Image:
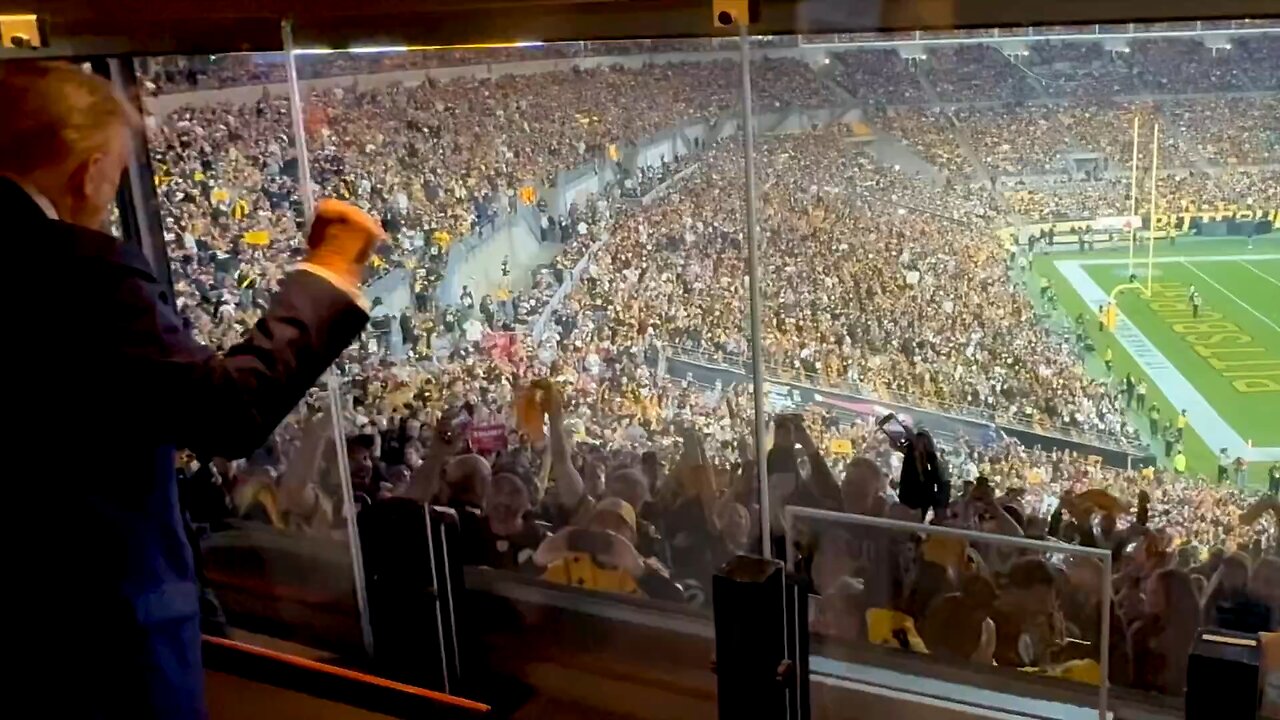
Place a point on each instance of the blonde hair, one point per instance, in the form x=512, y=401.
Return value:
x=55, y=112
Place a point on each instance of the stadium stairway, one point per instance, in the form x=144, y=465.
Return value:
x=847, y=100
x=980, y=171
x=891, y=150
x=1192, y=149
x=966, y=144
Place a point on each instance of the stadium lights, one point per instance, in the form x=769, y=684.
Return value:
x=407, y=48
x=1081, y=37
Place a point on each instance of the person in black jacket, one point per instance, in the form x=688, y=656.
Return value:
x=109, y=577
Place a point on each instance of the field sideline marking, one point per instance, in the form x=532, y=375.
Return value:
x=1205, y=419
x=1268, y=277
x=1231, y=295
x=1176, y=258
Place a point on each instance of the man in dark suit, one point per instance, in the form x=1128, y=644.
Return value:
x=105, y=568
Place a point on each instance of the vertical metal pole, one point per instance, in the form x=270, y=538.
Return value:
x=1151, y=241
x=1104, y=660
x=1133, y=192
x=334, y=385
x=753, y=275
x=299, y=123
x=136, y=198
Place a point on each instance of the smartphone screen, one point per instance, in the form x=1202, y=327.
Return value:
x=893, y=428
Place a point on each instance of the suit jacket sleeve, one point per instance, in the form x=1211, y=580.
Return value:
x=228, y=404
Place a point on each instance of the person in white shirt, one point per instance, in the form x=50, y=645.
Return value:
x=473, y=329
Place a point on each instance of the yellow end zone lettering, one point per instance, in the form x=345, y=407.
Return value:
x=1184, y=328
x=1253, y=385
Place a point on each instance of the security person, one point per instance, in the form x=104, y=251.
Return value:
x=104, y=562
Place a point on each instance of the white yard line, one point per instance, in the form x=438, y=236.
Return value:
x=1264, y=275
x=1231, y=295
x=1138, y=261
x=1204, y=418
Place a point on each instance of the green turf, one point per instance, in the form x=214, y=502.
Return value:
x=1244, y=412
x=1252, y=415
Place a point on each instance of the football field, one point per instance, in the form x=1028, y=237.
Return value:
x=1222, y=366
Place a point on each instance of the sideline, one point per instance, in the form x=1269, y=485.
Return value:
x=1205, y=420
x=1174, y=259
x=1259, y=272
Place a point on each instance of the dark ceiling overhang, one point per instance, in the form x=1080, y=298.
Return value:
x=79, y=27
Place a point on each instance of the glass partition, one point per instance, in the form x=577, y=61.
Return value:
x=546, y=244
x=276, y=545
x=981, y=610
x=943, y=239
x=940, y=223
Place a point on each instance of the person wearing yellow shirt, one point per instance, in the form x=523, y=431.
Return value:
x=1108, y=359
x=1180, y=463
x=1181, y=423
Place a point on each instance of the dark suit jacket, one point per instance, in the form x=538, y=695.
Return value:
x=116, y=384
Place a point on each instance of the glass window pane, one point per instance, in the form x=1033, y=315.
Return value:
x=941, y=247
x=272, y=527
x=943, y=613
x=939, y=215
x=536, y=235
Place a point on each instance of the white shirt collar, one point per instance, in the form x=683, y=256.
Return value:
x=49, y=210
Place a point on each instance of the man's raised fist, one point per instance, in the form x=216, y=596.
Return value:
x=342, y=239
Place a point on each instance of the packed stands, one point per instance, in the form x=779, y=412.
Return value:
x=1107, y=128
x=1074, y=69
x=1246, y=134
x=976, y=73
x=875, y=281
x=931, y=132
x=1016, y=140
x=1258, y=57
x=882, y=76
x=1175, y=66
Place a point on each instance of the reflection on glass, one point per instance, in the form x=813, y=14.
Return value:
x=272, y=527
x=273, y=535
x=516, y=298
x=978, y=601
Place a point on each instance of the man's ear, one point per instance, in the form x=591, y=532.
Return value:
x=102, y=176
x=83, y=177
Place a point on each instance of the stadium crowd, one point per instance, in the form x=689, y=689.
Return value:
x=931, y=132
x=976, y=73
x=1014, y=140
x=567, y=441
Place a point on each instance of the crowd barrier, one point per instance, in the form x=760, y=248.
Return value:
x=948, y=417
x=539, y=326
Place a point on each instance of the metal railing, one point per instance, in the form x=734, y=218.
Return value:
x=1009, y=419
